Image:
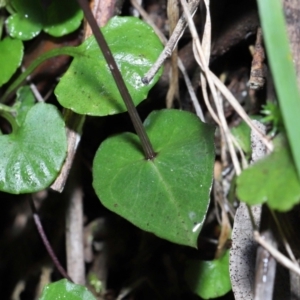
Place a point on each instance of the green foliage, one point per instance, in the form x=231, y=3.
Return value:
x=3, y=3
x=283, y=71
x=25, y=101
x=88, y=86
x=66, y=290
x=272, y=115
x=272, y=180
x=95, y=282
x=32, y=155
x=31, y=16
x=242, y=135
x=10, y=59
x=168, y=195
x=209, y=279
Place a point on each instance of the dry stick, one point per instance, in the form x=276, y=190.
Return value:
x=137, y=123
x=284, y=239
x=181, y=66
x=173, y=91
x=265, y=269
x=258, y=68
x=74, y=214
x=33, y=88
x=276, y=254
x=74, y=232
x=177, y=33
x=74, y=123
x=191, y=91
x=46, y=242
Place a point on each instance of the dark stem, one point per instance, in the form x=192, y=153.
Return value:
x=135, y=118
x=12, y=121
x=46, y=242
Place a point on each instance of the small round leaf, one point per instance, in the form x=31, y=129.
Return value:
x=57, y=18
x=168, y=195
x=63, y=289
x=272, y=179
x=88, y=86
x=26, y=23
x=62, y=17
x=209, y=279
x=11, y=55
x=32, y=156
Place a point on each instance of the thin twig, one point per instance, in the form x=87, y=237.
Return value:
x=191, y=91
x=284, y=239
x=177, y=33
x=173, y=91
x=276, y=254
x=74, y=123
x=46, y=242
x=239, y=109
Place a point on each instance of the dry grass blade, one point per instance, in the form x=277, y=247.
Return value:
x=239, y=109
x=201, y=59
x=181, y=66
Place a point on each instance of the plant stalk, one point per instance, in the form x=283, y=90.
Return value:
x=8, y=116
x=135, y=118
x=46, y=242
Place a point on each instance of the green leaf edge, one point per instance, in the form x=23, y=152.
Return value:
x=283, y=70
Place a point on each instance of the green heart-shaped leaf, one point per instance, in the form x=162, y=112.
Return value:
x=272, y=179
x=32, y=156
x=88, y=86
x=11, y=55
x=168, y=195
x=63, y=289
x=58, y=18
x=209, y=279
